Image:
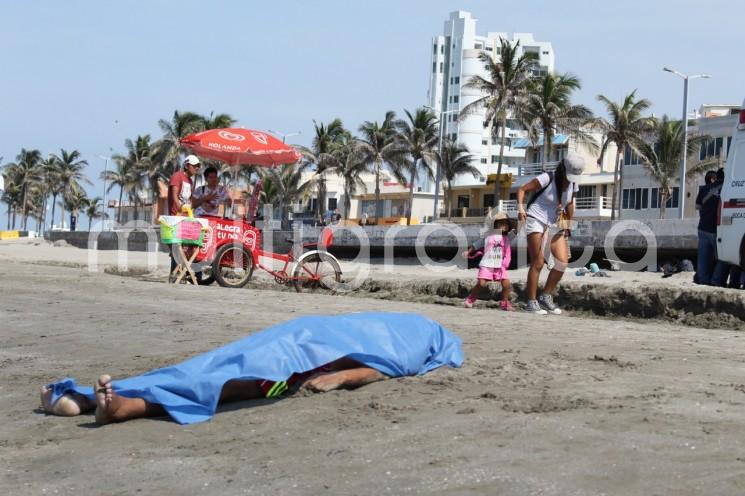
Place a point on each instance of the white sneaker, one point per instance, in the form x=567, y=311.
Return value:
x=534, y=308
x=547, y=302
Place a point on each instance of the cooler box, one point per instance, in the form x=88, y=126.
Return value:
x=175, y=229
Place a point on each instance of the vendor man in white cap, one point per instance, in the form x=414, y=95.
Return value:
x=180, y=186
x=547, y=218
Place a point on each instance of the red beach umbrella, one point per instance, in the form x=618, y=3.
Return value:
x=238, y=146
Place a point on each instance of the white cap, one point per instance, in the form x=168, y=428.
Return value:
x=574, y=166
x=191, y=160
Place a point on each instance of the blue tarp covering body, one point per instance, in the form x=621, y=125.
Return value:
x=395, y=344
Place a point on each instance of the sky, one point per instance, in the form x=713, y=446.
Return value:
x=87, y=75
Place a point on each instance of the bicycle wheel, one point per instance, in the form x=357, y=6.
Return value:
x=233, y=266
x=316, y=271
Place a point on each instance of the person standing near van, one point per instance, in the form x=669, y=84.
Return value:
x=707, y=204
x=546, y=217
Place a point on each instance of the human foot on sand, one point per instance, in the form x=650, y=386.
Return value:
x=68, y=405
x=107, y=401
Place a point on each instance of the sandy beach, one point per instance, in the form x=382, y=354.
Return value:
x=543, y=405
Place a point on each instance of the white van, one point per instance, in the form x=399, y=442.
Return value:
x=731, y=218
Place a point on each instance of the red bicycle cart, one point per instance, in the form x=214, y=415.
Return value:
x=232, y=250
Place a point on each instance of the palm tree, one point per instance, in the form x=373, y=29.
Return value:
x=118, y=177
x=12, y=194
x=93, y=209
x=167, y=149
x=283, y=186
x=626, y=128
x=548, y=110
x=349, y=163
x=378, y=145
x=218, y=121
x=454, y=161
x=74, y=202
x=663, y=156
x=418, y=136
x=69, y=172
x=503, y=90
x=140, y=168
x=325, y=141
x=26, y=172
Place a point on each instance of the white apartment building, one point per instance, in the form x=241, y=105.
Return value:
x=640, y=196
x=455, y=60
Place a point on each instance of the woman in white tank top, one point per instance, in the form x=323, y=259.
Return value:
x=552, y=204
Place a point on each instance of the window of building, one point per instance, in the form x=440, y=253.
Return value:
x=545, y=52
x=484, y=142
x=464, y=201
x=483, y=160
x=456, y=98
x=586, y=191
x=630, y=157
x=333, y=202
x=645, y=198
x=494, y=159
x=674, y=200
x=434, y=67
x=655, y=194
x=488, y=200
x=478, y=46
x=499, y=50
x=488, y=49
x=454, y=137
x=442, y=48
x=434, y=51
x=442, y=66
x=457, y=79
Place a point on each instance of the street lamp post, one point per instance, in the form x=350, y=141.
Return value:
x=105, y=172
x=285, y=136
x=438, y=173
x=684, y=124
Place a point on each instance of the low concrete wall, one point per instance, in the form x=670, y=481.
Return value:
x=673, y=238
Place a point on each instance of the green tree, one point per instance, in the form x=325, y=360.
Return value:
x=548, y=110
x=626, y=127
x=377, y=146
x=326, y=140
x=663, y=156
x=349, y=164
x=418, y=136
x=166, y=150
x=117, y=177
x=94, y=210
x=70, y=174
x=503, y=89
x=26, y=173
x=455, y=160
x=74, y=202
x=283, y=186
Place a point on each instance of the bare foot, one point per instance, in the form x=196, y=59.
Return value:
x=68, y=405
x=107, y=401
x=325, y=382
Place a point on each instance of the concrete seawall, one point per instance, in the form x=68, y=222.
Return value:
x=629, y=239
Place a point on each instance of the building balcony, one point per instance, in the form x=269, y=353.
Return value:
x=585, y=208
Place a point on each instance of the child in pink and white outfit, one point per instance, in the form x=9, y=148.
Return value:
x=495, y=262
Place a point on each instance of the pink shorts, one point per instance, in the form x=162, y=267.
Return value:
x=492, y=274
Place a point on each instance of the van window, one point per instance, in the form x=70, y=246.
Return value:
x=738, y=160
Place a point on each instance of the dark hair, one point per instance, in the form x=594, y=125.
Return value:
x=560, y=175
x=497, y=221
x=209, y=170
x=710, y=177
